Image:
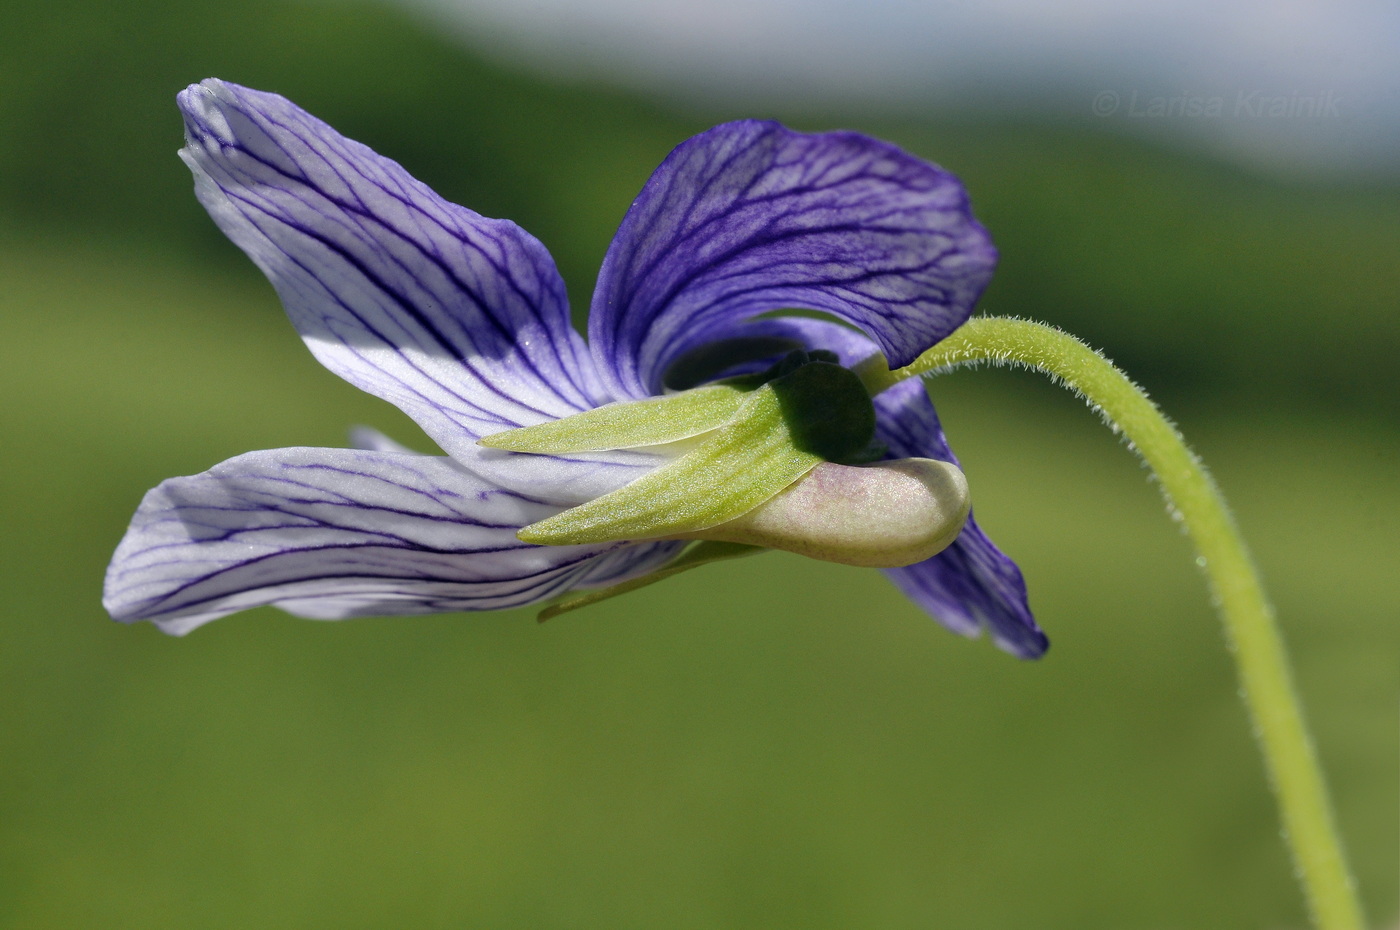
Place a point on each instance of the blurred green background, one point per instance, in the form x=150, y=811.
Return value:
x=771, y=743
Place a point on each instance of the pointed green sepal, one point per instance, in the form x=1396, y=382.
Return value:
x=700, y=554
x=627, y=425
x=733, y=470
x=781, y=431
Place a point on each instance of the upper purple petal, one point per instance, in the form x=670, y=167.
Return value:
x=751, y=217
x=459, y=320
x=332, y=533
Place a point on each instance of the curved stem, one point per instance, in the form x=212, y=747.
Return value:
x=1192, y=496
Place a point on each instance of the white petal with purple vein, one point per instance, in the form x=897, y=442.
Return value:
x=459, y=320
x=333, y=533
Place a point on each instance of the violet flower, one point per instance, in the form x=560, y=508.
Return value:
x=462, y=322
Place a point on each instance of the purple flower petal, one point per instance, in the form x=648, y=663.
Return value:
x=752, y=217
x=459, y=320
x=333, y=533
x=971, y=585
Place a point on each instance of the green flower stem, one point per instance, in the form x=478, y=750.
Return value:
x=1250, y=627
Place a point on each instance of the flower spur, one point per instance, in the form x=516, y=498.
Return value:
x=462, y=322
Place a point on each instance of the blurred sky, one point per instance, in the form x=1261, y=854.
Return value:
x=1294, y=87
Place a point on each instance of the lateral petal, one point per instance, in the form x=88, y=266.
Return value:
x=334, y=533
x=751, y=217
x=459, y=320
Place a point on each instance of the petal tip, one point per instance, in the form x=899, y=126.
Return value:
x=1029, y=644
x=204, y=117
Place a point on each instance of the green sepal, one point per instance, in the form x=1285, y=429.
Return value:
x=781, y=431
x=629, y=424
x=702, y=553
x=733, y=470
